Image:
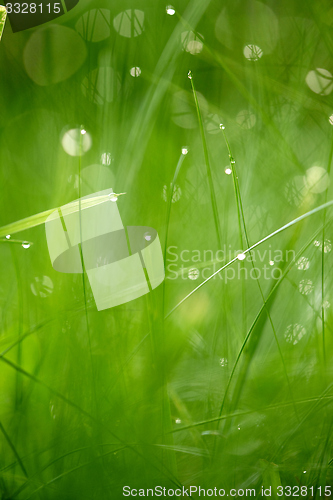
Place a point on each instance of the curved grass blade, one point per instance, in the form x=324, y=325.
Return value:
x=274, y=233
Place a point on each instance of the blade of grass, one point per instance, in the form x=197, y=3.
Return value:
x=274, y=233
x=12, y=447
x=208, y=168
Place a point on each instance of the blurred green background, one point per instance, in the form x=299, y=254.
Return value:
x=232, y=388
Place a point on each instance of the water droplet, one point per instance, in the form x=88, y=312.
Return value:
x=271, y=262
x=7, y=236
x=241, y=256
x=83, y=131
x=170, y=10
x=113, y=197
x=239, y=427
x=222, y=127
x=178, y=421
x=189, y=74
x=304, y=471
x=106, y=158
x=147, y=236
x=26, y=244
x=303, y=264
x=227, y=170
x=135, y=71
x=252, y=52
x=184, y=151
x=193, y=273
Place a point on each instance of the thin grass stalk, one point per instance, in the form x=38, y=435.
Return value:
x=209, y=172
x=242, y=217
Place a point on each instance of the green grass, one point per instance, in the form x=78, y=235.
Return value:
x=220, y=381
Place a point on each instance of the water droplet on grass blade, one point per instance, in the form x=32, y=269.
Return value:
x=170, y=10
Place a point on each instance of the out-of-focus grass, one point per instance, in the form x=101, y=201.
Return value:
x=231, y=387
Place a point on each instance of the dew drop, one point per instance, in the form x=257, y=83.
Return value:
x=241, y=256
x=135, y=71
x=170, y=10
x=222, y=127
x=228, y=171
x=252, y=52
x=106, y=158
x=7, y=236
x=193, y=273
x=26, y=244
x=189, y=74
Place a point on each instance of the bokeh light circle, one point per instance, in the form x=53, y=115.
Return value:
x=74, y=143
x=59, y=44
x=129, y=23
x=101, y=85
x=94, y=25
x=320, y=81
